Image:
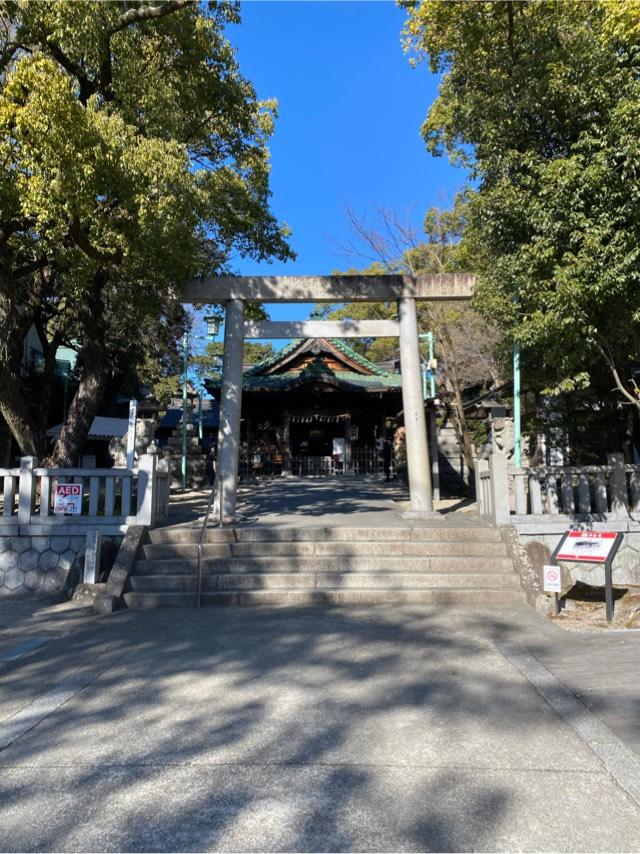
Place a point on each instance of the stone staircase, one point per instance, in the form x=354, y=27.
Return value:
x=314, y=565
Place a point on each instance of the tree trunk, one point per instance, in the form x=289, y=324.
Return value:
x=5, y=444
x=15, y=412
x=84, y=406
x=45, y=385
x=16, y=317
x=460, y=419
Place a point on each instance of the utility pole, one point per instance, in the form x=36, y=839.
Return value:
x=185, y=377
x=517, y=425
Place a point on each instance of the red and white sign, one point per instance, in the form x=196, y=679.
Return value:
x=587, y=546
x=551, y=579
x=68, y=499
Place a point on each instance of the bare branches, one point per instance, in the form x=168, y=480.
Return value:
x=382, y=240
x=607, y=355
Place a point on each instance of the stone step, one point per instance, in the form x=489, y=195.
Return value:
x=176, y=442
x=191, y=534
x=185, y=551
x=334, y=596
x=312, y=548
x=177, y=431
x=178, y=566
x=325, y=580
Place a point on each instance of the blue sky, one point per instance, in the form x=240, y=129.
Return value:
x=348, y=131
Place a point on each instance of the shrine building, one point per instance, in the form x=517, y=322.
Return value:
x=316, y=407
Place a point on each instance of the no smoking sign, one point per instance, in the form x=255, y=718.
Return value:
x=551, y=579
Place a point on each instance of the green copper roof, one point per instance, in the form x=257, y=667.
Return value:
x=270, y=361
x=338, y=343
x=358, y=357
x=256, y=378
x=282, y=381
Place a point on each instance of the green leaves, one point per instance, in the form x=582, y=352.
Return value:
x=135, y=157
x=546, y=97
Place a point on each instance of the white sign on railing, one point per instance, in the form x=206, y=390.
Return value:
x=68, y=499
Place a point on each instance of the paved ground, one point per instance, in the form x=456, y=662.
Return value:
x=375, y=729
x=323, y=501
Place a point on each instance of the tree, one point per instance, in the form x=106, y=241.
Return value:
x=208, y=363
x=540, y=102
x=465, y=343
x=135, y=157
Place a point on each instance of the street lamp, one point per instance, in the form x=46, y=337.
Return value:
x=213, y=326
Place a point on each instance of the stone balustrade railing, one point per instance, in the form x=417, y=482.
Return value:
x=599, y=493
x=113, y=498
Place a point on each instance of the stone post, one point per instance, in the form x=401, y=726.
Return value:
x=26, y=488
x=418, y=467
x=230, y=408
x=481, y=467
x=499, y=488
x=619, y=494
x=147, y=485
x=92, y=557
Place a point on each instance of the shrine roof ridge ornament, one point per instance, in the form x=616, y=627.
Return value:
x=347, y=288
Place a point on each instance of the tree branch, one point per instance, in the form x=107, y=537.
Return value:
x=605, y=352
x=87, y=87
x=146, y=13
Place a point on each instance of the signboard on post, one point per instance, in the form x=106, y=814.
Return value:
x=131, y=433
x=68, y=499
x=551, y=579
x=587, y=546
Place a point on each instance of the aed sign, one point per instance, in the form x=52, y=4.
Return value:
x=68, y=499
x=587, y=546
x=551, y=579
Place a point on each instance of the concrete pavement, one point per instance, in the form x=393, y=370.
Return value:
x=362, y=501
x=316, y=729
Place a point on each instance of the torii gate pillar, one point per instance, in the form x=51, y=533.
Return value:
x=230, y=409
x=235, y=290
x=418, y=467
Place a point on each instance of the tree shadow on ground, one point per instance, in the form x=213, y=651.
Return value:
x=312, y=729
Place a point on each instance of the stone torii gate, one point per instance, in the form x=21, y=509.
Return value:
x=236, y=291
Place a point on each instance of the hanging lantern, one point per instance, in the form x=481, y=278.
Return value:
x=213, y=325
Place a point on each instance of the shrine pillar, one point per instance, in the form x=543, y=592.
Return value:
x=418, y=467
x=286, y=443
x=230, y=408
x=348, y=458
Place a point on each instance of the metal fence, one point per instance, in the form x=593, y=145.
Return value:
x=364, y=462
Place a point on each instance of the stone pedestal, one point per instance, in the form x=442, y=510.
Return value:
x=196, y=459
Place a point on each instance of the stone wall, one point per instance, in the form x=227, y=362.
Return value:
x=46, y=564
